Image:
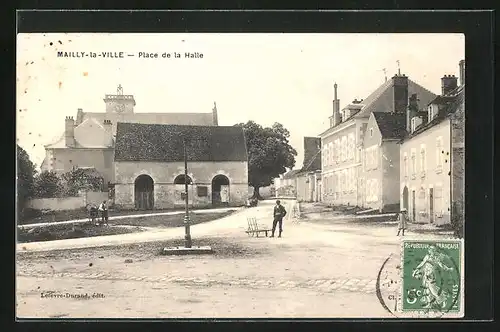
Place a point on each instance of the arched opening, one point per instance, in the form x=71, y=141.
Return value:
x=144, y=192
x=405, y=199
x=180, y=179
x=220, y=190
x=180, y=190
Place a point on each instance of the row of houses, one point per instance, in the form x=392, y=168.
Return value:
x=394, y=149
x=140, y=156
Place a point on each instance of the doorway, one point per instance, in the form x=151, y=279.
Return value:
x=413, y=207
x=220, y=190
x=405, y=198
x=144, y=192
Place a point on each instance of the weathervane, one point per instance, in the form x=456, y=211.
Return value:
x=385, y=73
x=399, y=69
x=119, y=90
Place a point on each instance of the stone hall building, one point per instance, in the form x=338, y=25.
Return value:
x=89, y=140
x=149, y=166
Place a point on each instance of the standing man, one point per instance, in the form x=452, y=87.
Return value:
x=103, y=208
x=279, y=214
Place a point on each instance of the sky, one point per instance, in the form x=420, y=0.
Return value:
x=286, y=78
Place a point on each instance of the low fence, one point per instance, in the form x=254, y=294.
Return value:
x=67, y=203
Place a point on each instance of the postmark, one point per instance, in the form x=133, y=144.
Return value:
x=432, y=278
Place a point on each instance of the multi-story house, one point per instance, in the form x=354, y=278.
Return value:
x=343, y=180
x=381, y=160
x=426, y=156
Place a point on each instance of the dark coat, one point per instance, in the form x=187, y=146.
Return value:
x=279, y=212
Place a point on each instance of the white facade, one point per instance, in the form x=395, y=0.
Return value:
x=425, y=175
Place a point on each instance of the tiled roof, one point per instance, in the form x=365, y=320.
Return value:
x=391, y=125
x=383, y=92
x=451, y=103
x=155, y=142
x=312, y=154
x=382, y=99
x=191, y=119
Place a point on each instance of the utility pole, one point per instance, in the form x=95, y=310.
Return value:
x=187, y=222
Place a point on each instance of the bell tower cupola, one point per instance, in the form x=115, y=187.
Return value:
x=119, y=102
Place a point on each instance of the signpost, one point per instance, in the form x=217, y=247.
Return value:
x=188, y=245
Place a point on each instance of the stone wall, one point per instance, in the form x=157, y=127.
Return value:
x=458, y=165
x=168, y=195
x=67, y=203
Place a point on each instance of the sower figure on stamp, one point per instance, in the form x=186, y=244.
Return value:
x=428, y=271
x=279, y=213
x=402, y=219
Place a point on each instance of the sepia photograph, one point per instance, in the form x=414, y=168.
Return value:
x=240, y=175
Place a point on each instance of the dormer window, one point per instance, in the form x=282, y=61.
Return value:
x=432, y=112
x=415, y=122
x=346, y=114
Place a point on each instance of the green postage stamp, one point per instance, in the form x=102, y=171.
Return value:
x=432, y=278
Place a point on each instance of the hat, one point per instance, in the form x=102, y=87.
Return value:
x=403, y=210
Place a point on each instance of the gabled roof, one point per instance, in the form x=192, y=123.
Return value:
x=453, y=101
x=383, y=92
x=155, y=142
x=97, y=138
x=382, y=100
x=191, y=119
x=391, y=125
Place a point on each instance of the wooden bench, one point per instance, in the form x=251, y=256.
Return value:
x=253, y=228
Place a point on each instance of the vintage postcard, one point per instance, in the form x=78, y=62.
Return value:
x=189, y=175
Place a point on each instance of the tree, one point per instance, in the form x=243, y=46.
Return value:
x=48, y=184
x=25, y=178
x=82, y=179
x=269, y=153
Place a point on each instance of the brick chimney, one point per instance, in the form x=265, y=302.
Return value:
x=215, y=119
x=79, y=116
x=461, y=65
x=107, y=125
x=400, y=90
x=412, y=111
x=69, y=131
x=448, y=83
x=336, y=107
